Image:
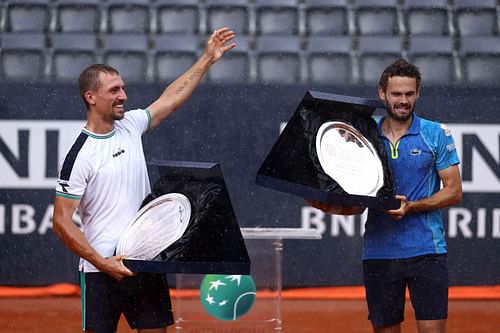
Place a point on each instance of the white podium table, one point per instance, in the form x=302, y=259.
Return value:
x=265, y=248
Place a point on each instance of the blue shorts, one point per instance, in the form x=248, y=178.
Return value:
x=144, y=300
x=386, y=281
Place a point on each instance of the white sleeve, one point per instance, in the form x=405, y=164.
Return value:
x=139, y=120
x=74, y=174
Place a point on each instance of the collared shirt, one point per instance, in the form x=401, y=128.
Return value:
x=108, y=174
x=415, y=160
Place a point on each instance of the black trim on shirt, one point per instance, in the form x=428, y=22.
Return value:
x=69, y=161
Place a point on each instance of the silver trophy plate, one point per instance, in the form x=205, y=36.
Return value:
x=155, y=227
x=349, y=158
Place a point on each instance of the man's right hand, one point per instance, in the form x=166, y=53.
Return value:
x=114, y=267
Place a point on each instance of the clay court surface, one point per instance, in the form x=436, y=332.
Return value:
x=62, y=314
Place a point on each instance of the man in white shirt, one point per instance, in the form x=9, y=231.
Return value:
x=104, y=176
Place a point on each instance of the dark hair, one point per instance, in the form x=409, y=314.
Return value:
x=89, y=79
x=400, y=67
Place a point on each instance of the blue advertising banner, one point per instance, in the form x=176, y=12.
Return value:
x=236, y=126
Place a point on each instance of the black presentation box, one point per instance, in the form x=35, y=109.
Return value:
x=212, y=242
x=292, y=166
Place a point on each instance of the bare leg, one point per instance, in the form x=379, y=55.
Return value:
x=431, y=326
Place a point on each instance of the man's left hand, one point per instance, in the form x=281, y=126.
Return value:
x=398, y=214
x=216, y=43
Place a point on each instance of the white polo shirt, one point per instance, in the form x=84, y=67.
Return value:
x=108, y=174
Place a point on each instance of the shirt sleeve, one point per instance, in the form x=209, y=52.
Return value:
x=138, y=119
x=75, y=172
x=446, y=154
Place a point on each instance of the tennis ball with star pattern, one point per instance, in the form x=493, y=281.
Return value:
x=227, y=297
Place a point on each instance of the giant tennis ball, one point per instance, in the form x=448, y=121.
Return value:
x=227, y=297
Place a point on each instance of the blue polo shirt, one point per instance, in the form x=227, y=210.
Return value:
x=415, y=160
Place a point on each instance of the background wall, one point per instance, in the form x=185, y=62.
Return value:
x=236, y=125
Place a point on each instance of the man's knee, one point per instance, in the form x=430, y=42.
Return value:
x=431, y=326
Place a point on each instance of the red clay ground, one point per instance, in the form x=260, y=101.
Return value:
x=62, y=315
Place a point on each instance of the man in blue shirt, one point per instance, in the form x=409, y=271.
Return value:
x=406, y=247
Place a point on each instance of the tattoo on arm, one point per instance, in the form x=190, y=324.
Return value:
x=194, y=75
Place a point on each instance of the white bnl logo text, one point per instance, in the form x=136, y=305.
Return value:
x=30, y=153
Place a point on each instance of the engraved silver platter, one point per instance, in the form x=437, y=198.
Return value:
x=155, y=227
x=349, y=158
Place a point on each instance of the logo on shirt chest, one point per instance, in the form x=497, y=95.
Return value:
x=119, y=152
x=415, y=152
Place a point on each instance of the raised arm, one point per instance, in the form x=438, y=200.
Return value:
x=179, y=91
x=450, y=194
x=74, y=239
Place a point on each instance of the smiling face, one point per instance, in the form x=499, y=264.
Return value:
x=399, y=97
x=109, y=98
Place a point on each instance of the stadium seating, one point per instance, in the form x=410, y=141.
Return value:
x=476, y=17
x=236, y=66
x=71, y=53
x=230, y=13
x=282, y=41
x=326, y=17
x=329, y=60
x=77, y=16
x=481, y=60
x=129, y=54
x=376, y=17
x=277, y=17
x=427, y=17
x=435, y=59
x=375, y=53
x=173, y=55
x=27, y=16
x=278, y=59
x=128, y=16
x=23, y=56
x=177, y=16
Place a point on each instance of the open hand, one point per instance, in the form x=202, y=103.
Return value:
x=216, y=43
